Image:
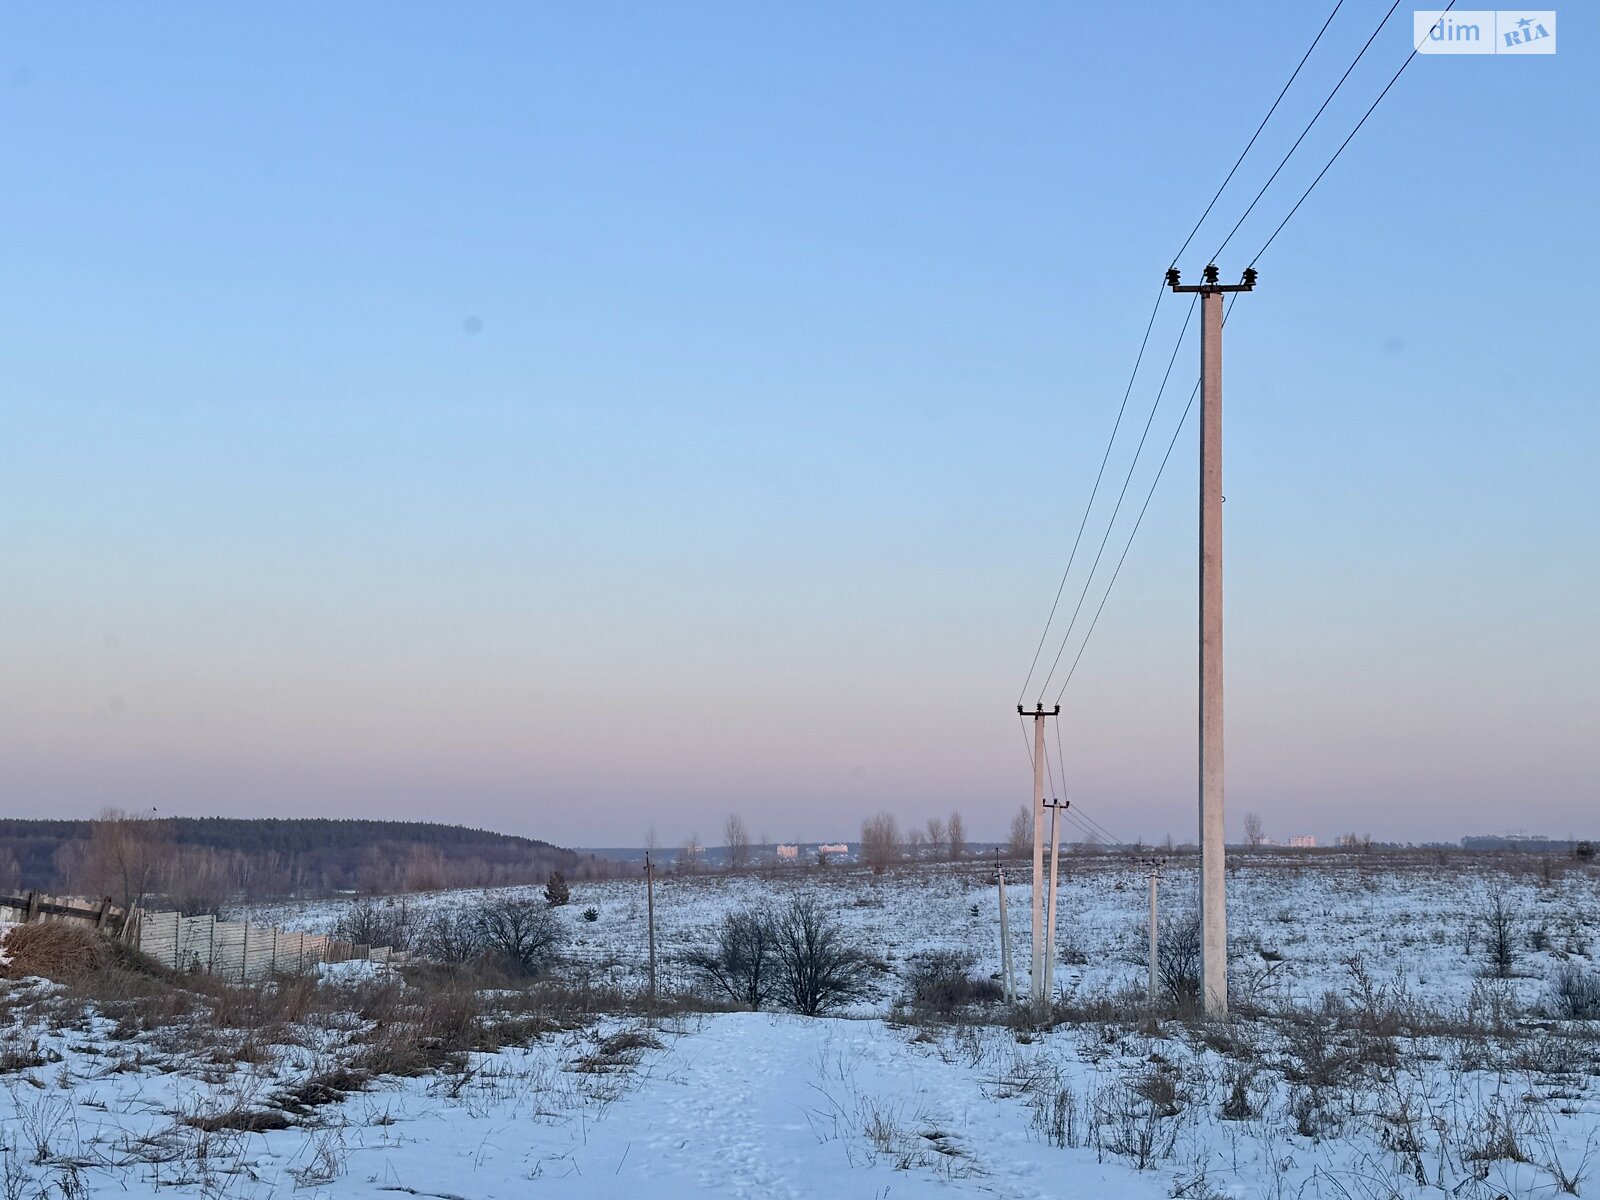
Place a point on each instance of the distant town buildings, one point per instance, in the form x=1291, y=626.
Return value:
x=1303, y=841
x=788, y=853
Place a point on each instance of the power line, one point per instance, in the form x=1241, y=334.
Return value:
x=1138, y=450
x=1257, y=133
x=1134, y=532
x=1093, y=492
x=1343, y=144
x=1315, y=117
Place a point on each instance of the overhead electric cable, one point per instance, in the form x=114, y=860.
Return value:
x=1138, y=450
x=1342, y=145
x=1137, y=522
x=1309, y=124
x=1093, y=492
x=1257, y=133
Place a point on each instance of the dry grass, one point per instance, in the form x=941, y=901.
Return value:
x=56, y=951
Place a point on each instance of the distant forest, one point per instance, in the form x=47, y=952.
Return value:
x=200, y=863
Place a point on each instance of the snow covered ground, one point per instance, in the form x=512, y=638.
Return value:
x=1390, y=1065
x=1295, y=922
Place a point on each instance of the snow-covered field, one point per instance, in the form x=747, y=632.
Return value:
x=1386, y=1061
x=1295, y=923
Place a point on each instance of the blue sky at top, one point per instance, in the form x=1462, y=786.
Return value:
x=572, y=419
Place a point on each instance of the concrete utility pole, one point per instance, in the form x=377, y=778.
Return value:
x=1213, y=844
x=1037, y=967
x=1055, y=807
x=1008, y=984
x=1155, y=931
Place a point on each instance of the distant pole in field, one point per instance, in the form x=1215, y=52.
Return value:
x=1213, y=867
x=1036, y=968
x=1008, y=977
x=1155, y=932
x=1055, y=807
x=650, y=910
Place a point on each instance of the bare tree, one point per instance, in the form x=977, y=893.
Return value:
x=1253, y=834
x=936, y=836
x=916, y=843
x=126, y=856
x=956, y=837
x=737, y=839
x=880, y=841
x=199, y=881
x=1020, y=843
x=522, y=934
x=818, y=969
x=743, y=962
x=689, y=856
x=652, y=841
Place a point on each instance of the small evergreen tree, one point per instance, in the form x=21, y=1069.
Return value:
x=556, y=892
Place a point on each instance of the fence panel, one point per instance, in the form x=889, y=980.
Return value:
x=227, y=956
x=194, y=943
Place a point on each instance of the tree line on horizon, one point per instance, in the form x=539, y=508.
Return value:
x=200, y=864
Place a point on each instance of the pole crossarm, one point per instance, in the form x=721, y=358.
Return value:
x=1211, y=286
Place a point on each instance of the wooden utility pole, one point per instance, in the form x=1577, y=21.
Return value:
x=650, y=918
x=1037, y=967
x=1213, y=845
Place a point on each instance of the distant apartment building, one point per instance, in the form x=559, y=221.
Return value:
x=833, y=848
x=788, y=853
x=1303, y=841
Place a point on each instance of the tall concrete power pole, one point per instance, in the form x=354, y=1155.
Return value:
x=1213, y=844
x=1039, y=965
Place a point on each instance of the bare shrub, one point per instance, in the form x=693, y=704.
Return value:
x=817, y=968
x=940, y=984
x=743, y=961
x=450, y=937
x=375, y=921
x=1177, y=957
x=521, y=936
x=1574, y=993
x=1499, y=934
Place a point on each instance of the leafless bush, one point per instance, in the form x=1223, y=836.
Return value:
x=817, y=968
x=1500, y=935
x=1177, y=958
x=451, y=937
x=520, y=935
x=1574, y=993
x=743, y=963
x=940, y=984
x=375, y=921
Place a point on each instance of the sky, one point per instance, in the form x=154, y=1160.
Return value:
x=576, y=420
